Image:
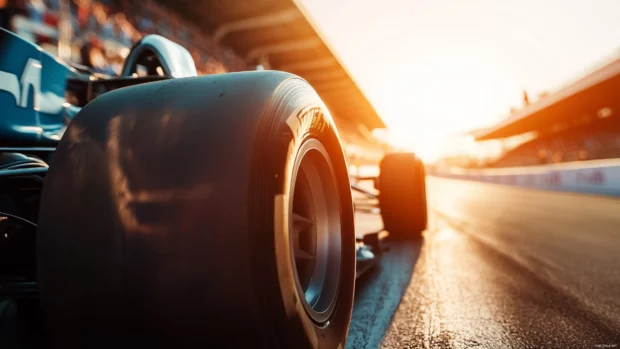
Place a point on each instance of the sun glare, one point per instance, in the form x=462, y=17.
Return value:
x=450, y=95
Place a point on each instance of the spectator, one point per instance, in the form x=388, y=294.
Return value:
x=100, y=23
x=51, y=18
x=82, y=13
x=36, y=10
x=115, y=64
x=145, y=25
x=53, y=5
x=123, y=30
x=92, y=54
x=9, y=9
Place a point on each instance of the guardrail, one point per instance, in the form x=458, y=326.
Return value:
x=596, y=177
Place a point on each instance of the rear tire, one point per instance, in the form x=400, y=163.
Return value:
x=402, y=195
x=173, y=215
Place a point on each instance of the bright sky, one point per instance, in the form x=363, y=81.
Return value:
x=435, y=67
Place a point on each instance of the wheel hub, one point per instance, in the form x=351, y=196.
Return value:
x=315, y=226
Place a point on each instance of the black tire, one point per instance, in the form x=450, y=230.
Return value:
x=166, y=213
x=402, y=195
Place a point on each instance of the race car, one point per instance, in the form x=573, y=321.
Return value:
x=168, y=209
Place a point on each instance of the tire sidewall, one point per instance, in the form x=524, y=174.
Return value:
x=296, y=128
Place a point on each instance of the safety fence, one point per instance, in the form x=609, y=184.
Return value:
x=596, y=177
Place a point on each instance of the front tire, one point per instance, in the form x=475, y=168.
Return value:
x=207, y=211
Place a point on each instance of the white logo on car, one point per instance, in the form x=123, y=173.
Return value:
x=48, y=102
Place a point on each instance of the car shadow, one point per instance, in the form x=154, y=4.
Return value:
x=379, y=292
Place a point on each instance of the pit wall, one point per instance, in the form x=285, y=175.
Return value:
x=596, y=177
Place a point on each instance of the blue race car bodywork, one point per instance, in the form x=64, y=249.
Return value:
x=33, y=110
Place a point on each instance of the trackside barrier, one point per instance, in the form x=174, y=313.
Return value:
x=596, y=176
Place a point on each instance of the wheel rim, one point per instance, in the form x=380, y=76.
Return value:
x=315, y=227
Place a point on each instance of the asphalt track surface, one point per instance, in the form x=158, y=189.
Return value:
x=499, y=267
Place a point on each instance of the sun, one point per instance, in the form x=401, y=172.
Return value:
x=426, y=146
x=443, y=97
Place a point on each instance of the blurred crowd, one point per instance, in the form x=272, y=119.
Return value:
x=103, y=31
x=587, y=142
x=577, y=139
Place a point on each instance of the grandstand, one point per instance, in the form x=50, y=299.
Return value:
x=580, y=121
x=222, y=36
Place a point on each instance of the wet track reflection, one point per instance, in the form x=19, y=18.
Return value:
x=499, y=267
x=378, y=294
